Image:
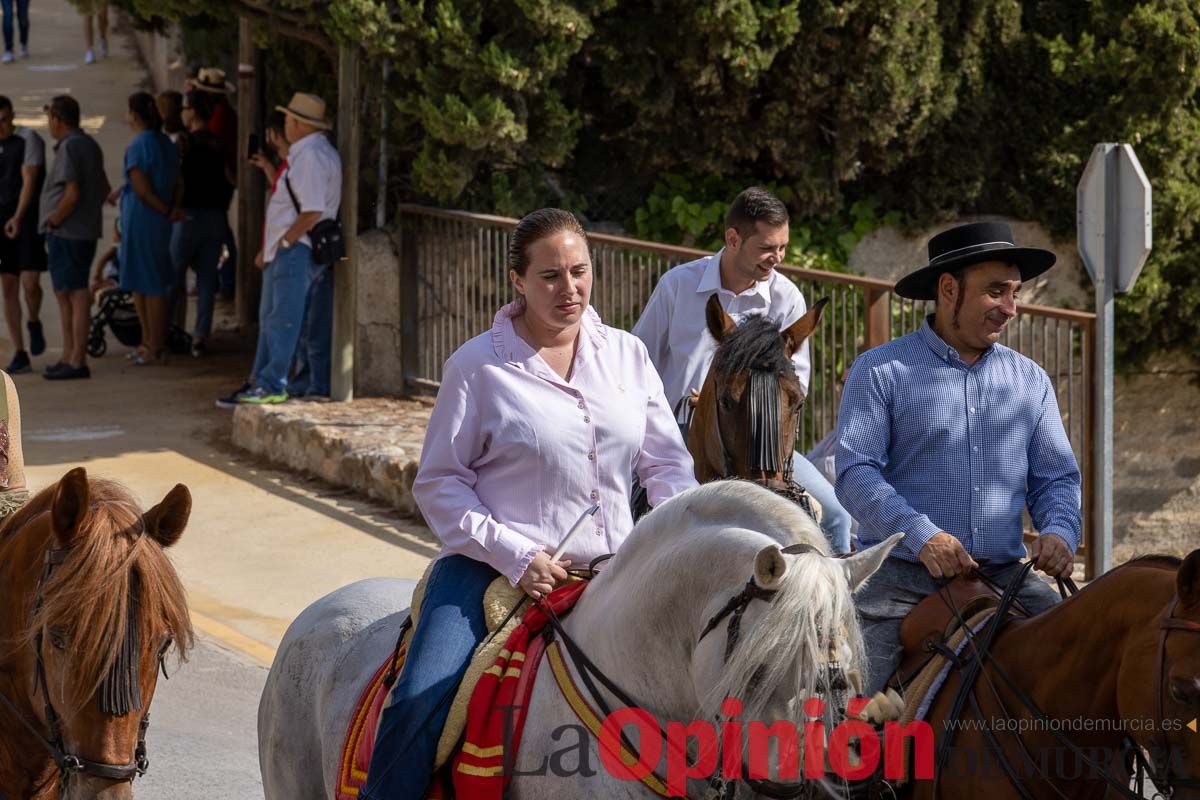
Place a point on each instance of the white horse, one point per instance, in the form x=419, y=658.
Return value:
x=640, y=622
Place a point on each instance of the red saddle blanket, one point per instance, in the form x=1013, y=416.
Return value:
x=477, y=769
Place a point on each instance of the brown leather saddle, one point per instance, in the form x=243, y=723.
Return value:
x=932, y=622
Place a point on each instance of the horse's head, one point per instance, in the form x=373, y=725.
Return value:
x=1166, y=685
x=749, y=409
x=104, y=609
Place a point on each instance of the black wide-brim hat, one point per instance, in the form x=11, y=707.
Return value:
x=969, y=244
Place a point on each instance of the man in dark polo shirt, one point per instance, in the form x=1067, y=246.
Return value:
x=22, y=250
x=72, y=220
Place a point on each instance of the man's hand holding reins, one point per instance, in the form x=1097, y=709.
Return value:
x=541, y=576
x=1051, y=554
x=945, y=557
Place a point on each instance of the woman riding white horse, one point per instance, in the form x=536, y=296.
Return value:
x=536, y=420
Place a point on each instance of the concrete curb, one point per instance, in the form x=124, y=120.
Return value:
x=371, y=446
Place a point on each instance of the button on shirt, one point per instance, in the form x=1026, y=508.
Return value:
x=673, y=328
x=314, y=171
x=514, y=453
x=928, y=444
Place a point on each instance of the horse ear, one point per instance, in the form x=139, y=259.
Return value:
x=863, y=564
x=1187, y=581
x=166, y=521
x=795, y=334
x=70, y=506
x=719, y=323
x=769, y=567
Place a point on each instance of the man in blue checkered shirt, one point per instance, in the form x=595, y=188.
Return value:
x=947, y=436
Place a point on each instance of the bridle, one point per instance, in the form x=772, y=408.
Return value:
x=1167, y=778
x=981, y=646
x=115, y=700
x=733, y=609
x=766, y=447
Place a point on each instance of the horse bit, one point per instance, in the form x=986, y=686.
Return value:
x=53, y=742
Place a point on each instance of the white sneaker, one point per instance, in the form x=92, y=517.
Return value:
x=8, y=57
x=103, y=47
x=89, y=57
x=23, y=52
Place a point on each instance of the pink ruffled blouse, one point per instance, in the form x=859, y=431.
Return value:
x=514, y=453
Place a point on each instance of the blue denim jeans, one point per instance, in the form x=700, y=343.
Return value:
x=450, y=629
x=314, y=353
x=835, y=520
x=897, y=588
x=281, y=316
x=196, y=243
x=22, y=22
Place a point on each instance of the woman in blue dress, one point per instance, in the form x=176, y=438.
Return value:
x=147, y=210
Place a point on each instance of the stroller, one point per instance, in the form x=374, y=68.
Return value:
x=117, y=313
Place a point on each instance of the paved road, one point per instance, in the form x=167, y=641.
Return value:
x=201, y=740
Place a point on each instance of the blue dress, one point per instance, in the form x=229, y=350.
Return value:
x=146, y=234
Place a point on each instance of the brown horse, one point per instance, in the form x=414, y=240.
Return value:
x=90, y=606
x=748, y=412
x=1120, y=658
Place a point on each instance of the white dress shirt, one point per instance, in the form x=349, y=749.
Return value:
x=315, y=172
x=673, y=328
x=514, y=453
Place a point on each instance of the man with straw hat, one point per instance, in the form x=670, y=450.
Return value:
x=311, y=191
x=949, y=436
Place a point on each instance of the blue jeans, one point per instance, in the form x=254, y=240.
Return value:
x=835, y=520
x=196, y=243
x=313, y=355
x=450, y=629
x=22, y=22
x=280, y=316
x=898, y=587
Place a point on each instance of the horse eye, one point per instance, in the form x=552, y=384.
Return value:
x=727, y=402
x=57, y=639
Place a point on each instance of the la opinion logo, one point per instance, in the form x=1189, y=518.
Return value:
x=852, y=748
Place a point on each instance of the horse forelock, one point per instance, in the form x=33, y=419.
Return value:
x=111, y=566
x=755, y=345
x=711, y=535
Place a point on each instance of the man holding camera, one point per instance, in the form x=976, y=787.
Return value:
x=308, y=192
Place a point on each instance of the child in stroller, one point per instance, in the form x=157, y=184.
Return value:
x=116, y=310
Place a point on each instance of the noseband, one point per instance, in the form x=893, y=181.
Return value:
x=119, y=694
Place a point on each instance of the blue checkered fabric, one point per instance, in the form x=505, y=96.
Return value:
x=928, y=444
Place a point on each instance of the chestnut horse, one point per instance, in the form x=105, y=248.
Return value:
x=90, y=606
x=748, y=412
x=1061, y=692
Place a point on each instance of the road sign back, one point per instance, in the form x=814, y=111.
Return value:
x=1113, y=208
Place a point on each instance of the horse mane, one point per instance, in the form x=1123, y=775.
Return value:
x=812, y=607
x=753, y=345
x=87, y=597
x=1161, y=560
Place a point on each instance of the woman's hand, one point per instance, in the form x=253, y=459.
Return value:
x=262, y=162
x=541, y=576
x=114, y=196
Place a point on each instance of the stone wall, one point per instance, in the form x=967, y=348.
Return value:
x=889, y=253
x=377, y=344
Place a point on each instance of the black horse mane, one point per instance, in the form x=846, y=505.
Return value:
x=754, y=345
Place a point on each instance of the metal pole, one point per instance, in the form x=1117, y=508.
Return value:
x=1099, y=550
x=345, y=316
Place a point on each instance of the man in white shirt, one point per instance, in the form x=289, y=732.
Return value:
x=743, y=275
x=308, y=190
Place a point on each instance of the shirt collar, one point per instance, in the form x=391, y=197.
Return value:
x=710, y=281
x=303, y=144
x=939, y=346
x=512, y=348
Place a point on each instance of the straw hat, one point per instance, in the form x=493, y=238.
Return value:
x=308, y=108
x=212, y=79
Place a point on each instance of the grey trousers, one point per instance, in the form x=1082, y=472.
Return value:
x=898, y=586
